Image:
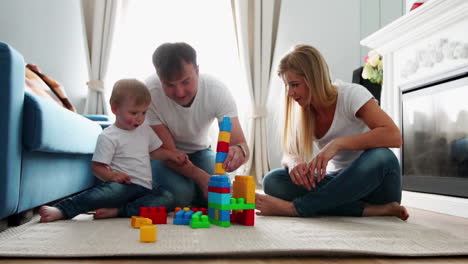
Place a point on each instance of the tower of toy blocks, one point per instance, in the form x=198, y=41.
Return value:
x=219, y=186
x=220, y=202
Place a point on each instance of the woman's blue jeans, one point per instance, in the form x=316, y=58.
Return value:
x=128, y=198
x=374, y=178
x=186, y=192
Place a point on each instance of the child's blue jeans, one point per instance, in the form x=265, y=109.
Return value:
x=374, y=177
x=128, y=198
x=186, y=192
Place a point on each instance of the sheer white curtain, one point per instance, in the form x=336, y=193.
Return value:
x=104, y=20
x=206, y=25
x=256, y=25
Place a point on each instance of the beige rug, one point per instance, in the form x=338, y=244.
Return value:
x=271, y=236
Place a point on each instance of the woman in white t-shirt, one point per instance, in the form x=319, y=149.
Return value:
x=354, y=173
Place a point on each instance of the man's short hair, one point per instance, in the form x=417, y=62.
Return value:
x=168, y=59
x=130, y=89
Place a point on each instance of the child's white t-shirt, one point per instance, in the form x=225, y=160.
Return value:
x=189, y=126
x=351, y=97
x=128, y=151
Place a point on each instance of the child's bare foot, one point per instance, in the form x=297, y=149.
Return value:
x=105, y=213
x=270, y=205
x=49, y=214
x=389, y=209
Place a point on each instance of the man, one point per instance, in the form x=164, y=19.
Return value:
x=184, y=105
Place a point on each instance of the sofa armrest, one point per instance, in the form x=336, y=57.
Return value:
x=47, y=127
x=97, y=117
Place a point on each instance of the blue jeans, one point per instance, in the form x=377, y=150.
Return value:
x=374, y=177
x=186, y=192
x=128, y=198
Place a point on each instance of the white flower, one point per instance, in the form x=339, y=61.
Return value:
x=374, y=58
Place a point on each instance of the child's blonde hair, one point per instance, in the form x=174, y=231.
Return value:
x=130, y=89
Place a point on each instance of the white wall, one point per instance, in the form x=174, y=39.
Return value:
x=49, y=33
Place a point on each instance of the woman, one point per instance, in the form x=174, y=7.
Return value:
x=354, y=173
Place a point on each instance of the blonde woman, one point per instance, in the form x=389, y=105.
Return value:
x=354, y=173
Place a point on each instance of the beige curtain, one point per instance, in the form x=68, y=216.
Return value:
x=256, y=24
x=101, y=18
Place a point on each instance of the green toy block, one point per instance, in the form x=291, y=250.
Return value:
x=199, y=220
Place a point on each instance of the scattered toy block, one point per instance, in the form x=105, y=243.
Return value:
x=199, y=220
x=148, y=233
x=138, y=222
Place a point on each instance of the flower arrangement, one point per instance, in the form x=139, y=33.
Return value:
x=373, y=67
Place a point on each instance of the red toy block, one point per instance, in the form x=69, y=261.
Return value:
x=245, y=217
x=144, y=212
x=219, y=189
x=222, y=147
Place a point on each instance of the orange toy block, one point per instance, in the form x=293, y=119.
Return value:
x=244, y=187
x=219, y=170
x=148, y=233
x=224, y=136
x=138, y=222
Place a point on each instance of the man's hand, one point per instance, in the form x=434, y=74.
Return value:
x=234, y=159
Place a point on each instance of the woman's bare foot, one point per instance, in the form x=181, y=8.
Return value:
x=270, y=205
x=389, y=209
x=49, y=214
x=105, y=213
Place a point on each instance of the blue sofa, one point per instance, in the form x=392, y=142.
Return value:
x=45, y=149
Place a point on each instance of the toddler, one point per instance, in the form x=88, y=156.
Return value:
x=122, y=161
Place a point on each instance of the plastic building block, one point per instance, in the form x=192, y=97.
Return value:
x=224, y=136
x=199, y=220
x=182, y=217
x=148, y=233
x=225, y=124
x=222, y=147
x=219, y=170
x=220, y=157
x=138, y=222
x=219, y=189
x=244, y=187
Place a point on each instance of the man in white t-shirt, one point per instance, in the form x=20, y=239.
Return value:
x=184, y=105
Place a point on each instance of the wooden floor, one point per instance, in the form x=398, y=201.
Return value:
x=455, y=225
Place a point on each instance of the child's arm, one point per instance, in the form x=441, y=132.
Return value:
x=105, y=173
x=165, y=154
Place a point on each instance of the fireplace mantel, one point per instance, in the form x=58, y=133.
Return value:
x=428, y=43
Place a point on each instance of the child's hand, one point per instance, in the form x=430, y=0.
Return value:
x=120, y=177
x=179, y=158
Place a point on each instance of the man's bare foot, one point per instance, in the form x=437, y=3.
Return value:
x=49, y=214
x=270, y=205
x=389, y=209
x=105, y=213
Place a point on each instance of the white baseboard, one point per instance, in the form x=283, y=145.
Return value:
x=436, y=203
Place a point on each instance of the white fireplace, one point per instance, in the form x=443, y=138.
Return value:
x=428, y=44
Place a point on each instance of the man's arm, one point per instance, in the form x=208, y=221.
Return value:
x=189, y=170
x=238, y=151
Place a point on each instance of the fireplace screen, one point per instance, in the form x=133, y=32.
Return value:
x=435, y=137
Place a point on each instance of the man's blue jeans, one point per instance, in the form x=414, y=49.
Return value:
x=374, y=177
x=128, y=198
x=186, y=192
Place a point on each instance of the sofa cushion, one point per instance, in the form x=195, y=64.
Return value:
x=47, y=127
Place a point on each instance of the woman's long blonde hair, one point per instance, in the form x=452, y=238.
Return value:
x=298, y=131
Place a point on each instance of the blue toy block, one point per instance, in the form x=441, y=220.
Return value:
x=183, y=217
x=226, y=124
x=219, y=198
x=224, y=215
x=221, y=157
x=222, y=181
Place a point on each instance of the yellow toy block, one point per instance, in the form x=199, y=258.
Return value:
x=244, y=187
x=224, y=136
x=148, y=233
x=138, y=222
x=219, y=170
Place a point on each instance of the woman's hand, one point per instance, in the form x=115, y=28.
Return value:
x=300, y=176
x=318, y=165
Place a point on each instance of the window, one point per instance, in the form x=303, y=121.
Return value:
x=207, y=25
